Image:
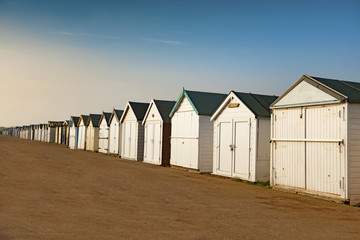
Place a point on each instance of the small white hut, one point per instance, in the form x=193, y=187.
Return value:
x=133, y=131
x=73, y=135
x=115, y=132
x=82, y=125
x=157, y=124
x=192, y=131
x=51, y=131
x=242, y=136
x=92, y=133
x=316, y=138
x=104, y=132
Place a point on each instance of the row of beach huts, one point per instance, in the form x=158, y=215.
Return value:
x=307, y=140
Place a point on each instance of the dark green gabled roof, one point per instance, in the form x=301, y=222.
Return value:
x=85, y=119
x=74, y=120
x=204, y=103
x=139, y=109
x=95, y=119
x=119, y=113
x=257, y=103
x=116, y=112
x=351, y=90
x=107, y=116
x=164, y=108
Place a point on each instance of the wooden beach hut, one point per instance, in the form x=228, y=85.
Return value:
x=191, y=129
x=104, y=132
x=315, y=138
x=242, y=136
x=92, y=133
x=133, y=131
x=115, y=132
x=157, y=127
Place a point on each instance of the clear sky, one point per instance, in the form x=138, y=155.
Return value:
x=62, y=58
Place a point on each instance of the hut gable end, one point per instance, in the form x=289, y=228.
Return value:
x=305, y=94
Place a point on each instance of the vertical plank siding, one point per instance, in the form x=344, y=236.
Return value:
x=354, y=153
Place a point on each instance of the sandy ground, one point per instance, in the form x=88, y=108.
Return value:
x=48, y=191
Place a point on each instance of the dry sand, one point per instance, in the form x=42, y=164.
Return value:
x=51, y=192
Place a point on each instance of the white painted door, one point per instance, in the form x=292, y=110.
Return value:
x=289, y=156
x=113, y=139
x=129, y=140
x=225, y=147
x=149, y=142
x=242, y=149
x=153, y=142
x=72, y=138
x=323, y=159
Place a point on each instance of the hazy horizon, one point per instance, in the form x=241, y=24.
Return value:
x=63, y=58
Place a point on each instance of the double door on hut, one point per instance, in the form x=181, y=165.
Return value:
x=234, y=148
x=308, y=147
x=152, y=142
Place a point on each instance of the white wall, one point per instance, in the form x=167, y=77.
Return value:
x=185, y=136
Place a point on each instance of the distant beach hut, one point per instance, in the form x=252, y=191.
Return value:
x=115, y=132
x=192, y=131
x=82, y=125
x=104, y=132
x=157, y=124
x=73, y=134
x=51, y=131
x=92, y=133
x=133, y=131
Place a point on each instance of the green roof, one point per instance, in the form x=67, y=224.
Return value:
x=95, y=119
x=351, y=90
x=117, y=113
x=85, y=119
x=164, y=108
x=74, y=120
x=107, y=116
x=257, y=103
x=139, y=109
x=204, y=103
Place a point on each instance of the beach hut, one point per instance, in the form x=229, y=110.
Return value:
x=51, y=131
x=104, y=132
x=192, y=131
x=32, y=132
x=36, y=132
x=157, y=127
x=82, y=125
x=242, y=136
x=64, y=132
x=115, y=132
x=73, y=133
x=42, y=128
x=92, y=133
x=315, y=139
x=133, y=131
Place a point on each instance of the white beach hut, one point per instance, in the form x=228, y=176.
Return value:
x=192, y=131
x=157, y=124
x=51, y=131
x=73, y=134
x=115, y=132
x=92, y=133
x=82, y=125
x=316, y=138
x=242, y=136
x=104, y=132
x=133, y=131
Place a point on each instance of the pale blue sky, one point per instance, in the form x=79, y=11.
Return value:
x=62, y=58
